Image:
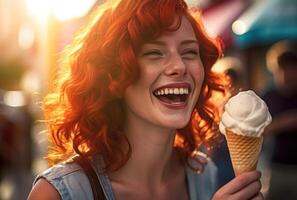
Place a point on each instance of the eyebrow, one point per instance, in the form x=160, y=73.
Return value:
x=157, y=42
x=189, y=42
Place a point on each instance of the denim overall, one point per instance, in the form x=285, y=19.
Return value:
x=72, y=184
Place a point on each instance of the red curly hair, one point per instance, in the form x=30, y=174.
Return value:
x=85, y=114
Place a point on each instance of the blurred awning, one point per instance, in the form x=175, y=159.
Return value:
x=219, y=17
x=266, y=22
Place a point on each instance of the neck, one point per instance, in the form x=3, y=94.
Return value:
x=153, y=159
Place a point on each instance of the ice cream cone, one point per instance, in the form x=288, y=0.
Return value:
x=244, y=151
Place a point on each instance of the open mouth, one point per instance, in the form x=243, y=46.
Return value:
x=173, y=95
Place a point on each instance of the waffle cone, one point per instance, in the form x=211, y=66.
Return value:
x=244, y=151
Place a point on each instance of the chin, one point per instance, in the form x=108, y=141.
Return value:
x=176, y=123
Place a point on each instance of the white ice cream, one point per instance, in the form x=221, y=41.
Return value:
x=245, y=114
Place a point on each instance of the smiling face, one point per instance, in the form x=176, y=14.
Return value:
x=171, y=75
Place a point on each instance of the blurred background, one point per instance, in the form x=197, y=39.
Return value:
x=34, y=32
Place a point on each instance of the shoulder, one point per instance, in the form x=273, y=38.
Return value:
x=203, y=185
x=48, y=191
x=66, y=180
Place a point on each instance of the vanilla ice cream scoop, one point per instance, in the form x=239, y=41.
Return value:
x=245, y=114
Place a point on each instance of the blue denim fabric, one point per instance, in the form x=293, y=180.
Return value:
x=72, y=184
x=202, y=186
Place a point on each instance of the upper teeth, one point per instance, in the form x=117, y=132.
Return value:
x=172, y=91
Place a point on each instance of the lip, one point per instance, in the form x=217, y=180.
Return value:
x=174, y=105
x=179, y=105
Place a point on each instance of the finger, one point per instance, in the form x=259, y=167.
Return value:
x=259, y=196
x=248, y=192
x=240, y=182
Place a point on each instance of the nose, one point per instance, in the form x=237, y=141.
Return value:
x=175, y=66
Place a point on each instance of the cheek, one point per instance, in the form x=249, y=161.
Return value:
x=198, y=75
x=138, y=93
x=135, y=99
x=150, y=73
x=135, y=91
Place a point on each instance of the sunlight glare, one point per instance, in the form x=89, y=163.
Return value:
x=14, y=98
x=61, y=9
x=67, y=9
x=26, y=36
x=239, y=27
x=38, y=8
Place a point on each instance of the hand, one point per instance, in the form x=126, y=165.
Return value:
x=246, y=186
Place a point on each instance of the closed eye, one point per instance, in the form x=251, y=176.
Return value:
x=153, y=54
x=190, y=53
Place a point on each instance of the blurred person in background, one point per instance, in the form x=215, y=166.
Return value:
x=8, y=133
x=134, y=103
x=235, y=71
x=282, y=102
x=236, y=79
x=16, y=122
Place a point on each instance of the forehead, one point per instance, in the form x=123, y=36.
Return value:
x=184, y=32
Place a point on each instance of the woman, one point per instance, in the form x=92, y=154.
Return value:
x=136, y=102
